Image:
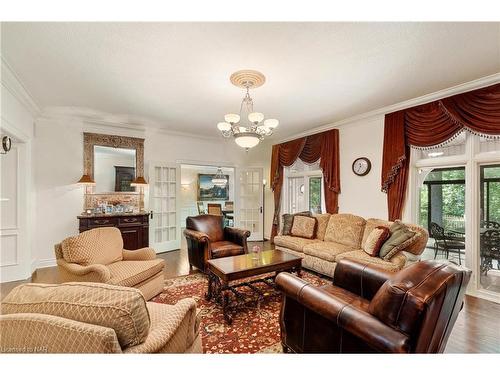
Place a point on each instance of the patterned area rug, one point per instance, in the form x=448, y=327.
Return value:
x=255, y=329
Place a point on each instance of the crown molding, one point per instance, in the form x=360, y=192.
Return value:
x=13, y=84
x=458, y=89
x=103, y=120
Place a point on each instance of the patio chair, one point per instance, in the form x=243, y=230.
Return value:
x=490, y=250
x=490, y=224
x=447, y=242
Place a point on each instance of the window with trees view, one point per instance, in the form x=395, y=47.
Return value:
x=304, y=188
x=456, y=186
x=442, y=198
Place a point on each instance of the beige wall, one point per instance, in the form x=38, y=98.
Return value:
x=58, y=164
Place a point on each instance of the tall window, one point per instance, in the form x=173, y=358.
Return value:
x=456, y=190
x=303, y=188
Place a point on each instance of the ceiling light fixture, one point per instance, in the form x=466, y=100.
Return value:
x=248, y=127
x=219, y=179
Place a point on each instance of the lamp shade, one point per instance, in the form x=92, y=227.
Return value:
x=232, y=118
x=255, y=117
x=86, y=180
x=246, y=140
x=139, y=181
x=224, y=126
x=271, y=123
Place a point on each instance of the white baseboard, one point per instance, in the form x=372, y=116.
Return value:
x=43, y=263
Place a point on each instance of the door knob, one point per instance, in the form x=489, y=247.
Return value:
x=151, y=214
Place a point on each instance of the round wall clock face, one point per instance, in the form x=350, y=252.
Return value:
x=361, y=166
x=6, y=143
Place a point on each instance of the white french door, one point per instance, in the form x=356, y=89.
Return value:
x=249, y=213
x=15, y=256
x=164, y=228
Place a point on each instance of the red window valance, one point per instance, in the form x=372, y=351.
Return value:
x=431, y=125
x=322, y=146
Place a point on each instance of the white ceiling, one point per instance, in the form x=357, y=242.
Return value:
x=177, y=74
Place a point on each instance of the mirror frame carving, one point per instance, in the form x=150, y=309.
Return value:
x=94, y=139
x=117, y=141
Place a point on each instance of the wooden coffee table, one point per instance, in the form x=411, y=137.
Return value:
x=223, y=271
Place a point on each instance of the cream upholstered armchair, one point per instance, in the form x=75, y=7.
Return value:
x=95, y=318
x=97, y=255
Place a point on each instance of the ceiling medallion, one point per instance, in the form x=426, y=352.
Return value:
x=253, y=128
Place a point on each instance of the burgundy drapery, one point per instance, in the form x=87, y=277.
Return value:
x=430, y=125
x=323, y=146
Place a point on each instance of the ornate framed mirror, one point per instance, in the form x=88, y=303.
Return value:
x=113, y=162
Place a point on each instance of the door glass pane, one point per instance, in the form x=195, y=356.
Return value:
x=315, y=195
x=489, y=230
x=442, y=212
x=296, y=199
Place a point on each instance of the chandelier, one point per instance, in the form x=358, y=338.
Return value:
x=219, y=179
x=248, y=127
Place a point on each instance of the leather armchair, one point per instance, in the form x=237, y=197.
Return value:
x=208, y=239
x=369, y=310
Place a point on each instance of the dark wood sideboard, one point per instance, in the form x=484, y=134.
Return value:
x=134, y=228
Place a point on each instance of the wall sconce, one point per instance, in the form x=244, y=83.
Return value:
x=87, y=182
x=141, y=183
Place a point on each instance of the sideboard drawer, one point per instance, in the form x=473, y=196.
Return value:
x=134, y=228
x=133, y=220
x=102, y=221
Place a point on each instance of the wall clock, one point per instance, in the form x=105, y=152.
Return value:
x=6, y=144
x=361, y=166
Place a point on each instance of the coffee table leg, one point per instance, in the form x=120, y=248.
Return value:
x=210, y=291
x=299, y=271
x=225, y=304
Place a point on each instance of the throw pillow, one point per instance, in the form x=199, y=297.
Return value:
x=304, y=226
x=399, y=234
x=288, y=220
x=397, y=249
x=375, y=240
x=287, y=224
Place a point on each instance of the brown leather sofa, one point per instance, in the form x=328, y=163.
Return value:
x=208, y=239
x=370, y=310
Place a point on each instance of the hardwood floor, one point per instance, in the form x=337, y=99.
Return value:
x=477, y=329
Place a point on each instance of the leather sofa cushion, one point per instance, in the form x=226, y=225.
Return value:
x=221, y=249
x=345, y=229
x=326, y=250
x=293, y=243
x=95, y=246
x=120, y=308
x=132, y=272
x=396, y=263
x=322, y=225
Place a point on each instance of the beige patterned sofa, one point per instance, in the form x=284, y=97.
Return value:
x=97, y=255
x=341, y=236
x=94, y=318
